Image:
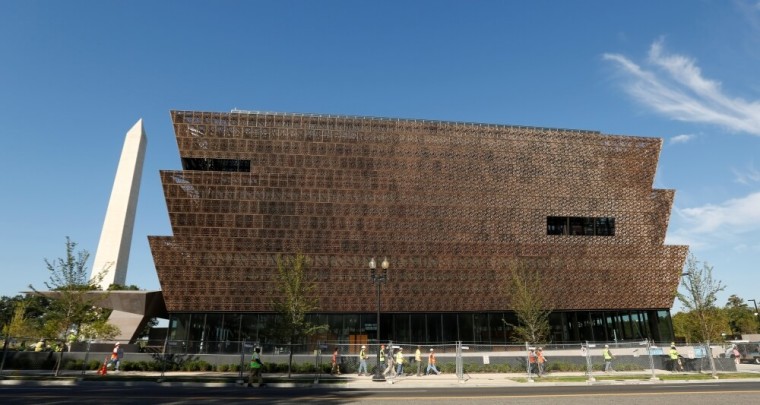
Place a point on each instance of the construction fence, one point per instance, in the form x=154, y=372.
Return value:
x=460, y=358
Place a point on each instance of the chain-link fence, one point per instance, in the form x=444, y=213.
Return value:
x=461, y=358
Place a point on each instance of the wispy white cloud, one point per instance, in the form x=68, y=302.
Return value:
x=674, y=86
x=681, y=139
x=748, y=175
x=735, y=222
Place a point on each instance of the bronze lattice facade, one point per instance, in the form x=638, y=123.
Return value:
x=452, y=205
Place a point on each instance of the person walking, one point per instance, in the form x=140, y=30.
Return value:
x=256, y=366
x=737, y=355
x=116, y=355
x=674, y=363
x=431, y=363
x=532, y=360
x=541, y=361
x=400, y=361
x=363, y=360
x=389, y=371
x=418, y=360
x=381, y=365
x=335, y=362
x=608, y=357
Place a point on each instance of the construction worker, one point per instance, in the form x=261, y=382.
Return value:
x=418, y=360
x=541, y=361
x=389, y=371
x=256, y=366
x=674, y=363
x=363, y=360
x=532, y=359
x=335, y=362
x=381, y=364
x=607, y=358
x=400, y=361
x=431, y=363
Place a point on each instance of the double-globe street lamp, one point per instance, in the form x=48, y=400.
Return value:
x=377, y=279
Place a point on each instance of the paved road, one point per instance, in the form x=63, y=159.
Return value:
x=718, y=392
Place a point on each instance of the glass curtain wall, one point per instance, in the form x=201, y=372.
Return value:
x=223, y=332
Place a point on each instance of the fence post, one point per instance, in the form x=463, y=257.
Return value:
x=527, y=362
x=589, y=365
x=458, y=360
x=317, y=362
x=5, y=350
x=651, y=359
x=242, y=361
x=86, y=357
x=163, y=358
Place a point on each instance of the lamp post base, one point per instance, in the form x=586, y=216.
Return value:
x=378, y=377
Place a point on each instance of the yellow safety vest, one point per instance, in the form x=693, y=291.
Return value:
x=255, y=362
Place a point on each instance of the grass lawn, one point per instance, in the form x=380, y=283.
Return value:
x=640, y=377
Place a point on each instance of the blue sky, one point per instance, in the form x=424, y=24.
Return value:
x=76, y=75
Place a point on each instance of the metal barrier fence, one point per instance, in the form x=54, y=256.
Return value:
x=460, y=358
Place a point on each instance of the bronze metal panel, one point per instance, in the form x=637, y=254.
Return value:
x=452, y=205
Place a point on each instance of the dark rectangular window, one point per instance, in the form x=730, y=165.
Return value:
x=588, y=226
x=216, y=165
x=556, y=225
x=605, y=226
x=576, y=225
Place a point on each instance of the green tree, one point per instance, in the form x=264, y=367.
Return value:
x=8, y=308
x=741, y=317
x=526, y=299
x=699, y=297
x=295, y=300
x=687, y=325
x=73, y=306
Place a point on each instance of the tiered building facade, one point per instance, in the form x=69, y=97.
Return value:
x=455, y=207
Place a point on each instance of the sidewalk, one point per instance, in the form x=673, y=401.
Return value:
x=353, y=381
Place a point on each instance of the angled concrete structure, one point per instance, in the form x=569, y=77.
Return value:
x=116, y=235
x=132, y=310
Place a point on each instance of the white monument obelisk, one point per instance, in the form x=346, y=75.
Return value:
x=116, y=236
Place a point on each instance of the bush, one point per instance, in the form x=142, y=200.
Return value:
x=627, y=367
x=564, y=366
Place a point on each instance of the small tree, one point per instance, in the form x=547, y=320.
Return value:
x=20, y=326
x=295, y=300
x=72, y=307
x=700, y=293
x=527, y=300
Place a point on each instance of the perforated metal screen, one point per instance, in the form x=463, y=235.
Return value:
x=452, y=205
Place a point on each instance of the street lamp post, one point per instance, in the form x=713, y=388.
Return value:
x=378, y=279
x=756, y=313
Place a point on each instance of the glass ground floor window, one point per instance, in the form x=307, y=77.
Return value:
x=227, y=332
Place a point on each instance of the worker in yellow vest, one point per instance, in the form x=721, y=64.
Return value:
x=256, y=366
x=674, y=363
x=400, y=361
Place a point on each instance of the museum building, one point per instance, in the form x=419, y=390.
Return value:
x=454, y=207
